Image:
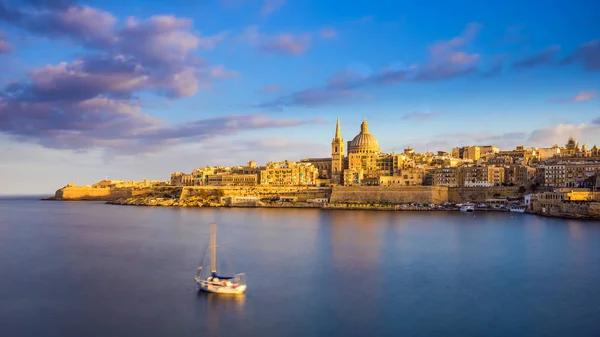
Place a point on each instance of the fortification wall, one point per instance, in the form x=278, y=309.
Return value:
x=112, y=193
x=302, y=192
x=569, y=209
x=480, y=194
x=394, y=195
x=90, y=193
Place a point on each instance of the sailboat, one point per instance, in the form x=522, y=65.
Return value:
x=216, y=283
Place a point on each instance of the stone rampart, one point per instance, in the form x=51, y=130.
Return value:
x=92, y=193
x=301, y=192
x=393, y=195
x=112, y=193
x=480, y=194
x=567, y=209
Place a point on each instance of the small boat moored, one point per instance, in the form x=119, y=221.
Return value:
x=518, y=208
x=467, y=208
x=215, y=283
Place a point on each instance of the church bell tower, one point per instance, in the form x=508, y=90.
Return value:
x=337, y=155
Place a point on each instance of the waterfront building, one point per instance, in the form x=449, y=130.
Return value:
x=232, y=179
x=472, y=176
x=554, y=175
x=447, y=176
x=288, y=174
x=408, y=177
x=547, y=153
x=495, y=175
x=523, y=175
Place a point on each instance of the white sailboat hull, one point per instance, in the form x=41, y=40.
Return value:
x=220, y=287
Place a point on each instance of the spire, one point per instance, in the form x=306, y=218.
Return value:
x=338, y=132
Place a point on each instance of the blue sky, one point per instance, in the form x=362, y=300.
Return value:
x=139, y=89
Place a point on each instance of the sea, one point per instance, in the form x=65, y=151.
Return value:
x=82, y=269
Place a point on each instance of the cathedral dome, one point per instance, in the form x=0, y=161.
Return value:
x=364, y=142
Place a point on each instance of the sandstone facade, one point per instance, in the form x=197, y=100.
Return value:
x=397, y=195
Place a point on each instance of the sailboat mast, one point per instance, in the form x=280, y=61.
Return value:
x=213, y=247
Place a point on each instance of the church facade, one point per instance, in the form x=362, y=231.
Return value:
x=359, y=161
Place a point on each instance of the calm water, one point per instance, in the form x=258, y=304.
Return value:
x=90, y=269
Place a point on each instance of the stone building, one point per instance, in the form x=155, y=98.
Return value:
x=408, y=177
x=523, y=175
x=495, y=175
x=473, y=176
x=288, y=174
x=446, y=176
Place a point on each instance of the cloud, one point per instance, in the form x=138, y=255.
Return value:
x=445, y=62
x=329, y=33
x=91, y=102
x=160, y=47
x=283, y=43
x=286, y=43
x=220, y=72
x=271, y=6
x=4, y=46
x=87, y=25
x=314, y=97
x=585, y=96
x=588, y=54
x=559, y=134
x=117, y=125
x=579, y=97
x=419, y=115
x=544, y=57
x=270, y=89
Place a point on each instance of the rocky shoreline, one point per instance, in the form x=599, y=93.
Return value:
x=198, y=202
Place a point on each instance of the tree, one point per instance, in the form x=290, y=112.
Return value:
x=522, y=189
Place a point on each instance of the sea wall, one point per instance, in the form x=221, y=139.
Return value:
x=480, y=194
x=567, y=209
x=394, y=195
x=303, y=193
x=91, y=193
x=110, y=194
x=352, y=194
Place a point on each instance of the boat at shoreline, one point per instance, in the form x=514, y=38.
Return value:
x=215, y=283
x=518, y=208
x=467, y=208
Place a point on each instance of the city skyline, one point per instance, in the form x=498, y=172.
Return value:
x=91, y=92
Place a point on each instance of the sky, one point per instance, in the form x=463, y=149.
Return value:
x=134, y=90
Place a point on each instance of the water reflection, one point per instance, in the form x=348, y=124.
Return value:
x=220, y=309
x=356, y=239
x=575, y=229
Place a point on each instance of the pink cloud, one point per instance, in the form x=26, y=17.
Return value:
x=585, y=96
x=269, y=89
x=329, y=33
x=442, y=47
x=579, y=97
x=4, y=47
x=447, y=62
x=220, y=72
x=271, y=6
x=287, y=43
